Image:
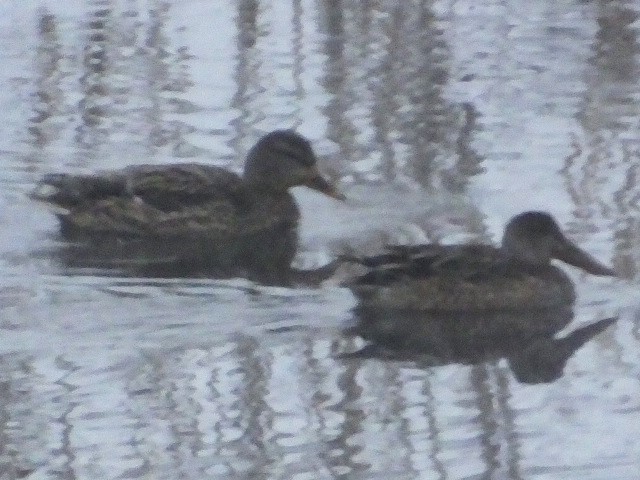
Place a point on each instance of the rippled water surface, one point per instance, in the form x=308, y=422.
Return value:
x=440, y=120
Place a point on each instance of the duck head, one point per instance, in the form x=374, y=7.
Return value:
x=283, y=159
x=536, y=238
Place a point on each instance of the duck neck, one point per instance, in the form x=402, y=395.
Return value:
x=527, y=255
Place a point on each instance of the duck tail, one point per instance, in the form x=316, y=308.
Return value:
x=67, y=191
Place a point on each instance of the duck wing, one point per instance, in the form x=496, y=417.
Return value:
x=172, y=187
x=421, y=262
x=148, y=200
x=167, y=187
x=132, y=217
x=459, y=278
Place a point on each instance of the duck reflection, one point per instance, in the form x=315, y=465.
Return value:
x=525, y=338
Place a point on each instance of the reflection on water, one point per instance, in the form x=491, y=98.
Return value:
x=602, y=169
x=441, y=119
x=525, y=338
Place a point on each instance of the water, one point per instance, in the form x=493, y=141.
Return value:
x=441, y=119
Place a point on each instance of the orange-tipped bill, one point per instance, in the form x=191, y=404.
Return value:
x=318, y=182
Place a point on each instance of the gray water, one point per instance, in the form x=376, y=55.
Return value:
x=440, y=120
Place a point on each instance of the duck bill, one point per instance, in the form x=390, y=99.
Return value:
x=573, y=255
x=317, y=182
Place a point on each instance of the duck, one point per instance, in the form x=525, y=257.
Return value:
x=517, y=275
x=201, y=217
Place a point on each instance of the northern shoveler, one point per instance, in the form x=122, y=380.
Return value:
x=202, y=216
x=518, y=275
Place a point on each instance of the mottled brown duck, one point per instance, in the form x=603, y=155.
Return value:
x=194, y=218
x=518, y=275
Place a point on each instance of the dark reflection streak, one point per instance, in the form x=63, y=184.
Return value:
x=340, y=129
x=318, y=401
x=130, y=81
x=353, y=418
x=169, y=76
x=625, y=205
x=5, y=402
x=246, y=73
x=616, y=41
x=215, y=404
x=156, y=45
x=503, y=394
x=166, y=392
x=429, y=120
x=617, y=54
x=625, y=258
x=48, y=96
x=609, y=119
x=433, y=429
x=334, y=42
x=487, y=418
x=570, y=161
x=385, y=88
x=191, y=413
x=248, y=23
x=185, y=419
x=143, y=388
x=156, y=71
x=635, y=331
x=67, y=449
x=235, y=450
x=90, y=133
x=314, y=374
x=310, y=380
x=16, y=400
x=367, y=47
x=256, y=415
x=469, y=161
x=298, y=56
x=397, y=407
x=367, y=10
x=11, y=463
x=170, y=405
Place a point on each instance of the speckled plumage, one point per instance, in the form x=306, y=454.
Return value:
x=204, y=216
x=515, y=276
